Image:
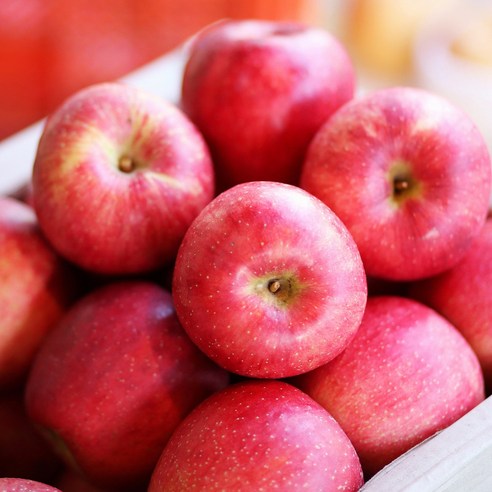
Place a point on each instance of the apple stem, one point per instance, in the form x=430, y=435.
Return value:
x=281, y=288
x=126, y=164
x=400, y=185
x=274, y=286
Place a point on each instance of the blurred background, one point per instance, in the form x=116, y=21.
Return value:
x=51, y=48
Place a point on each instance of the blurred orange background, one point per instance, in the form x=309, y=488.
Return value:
x=51, y=48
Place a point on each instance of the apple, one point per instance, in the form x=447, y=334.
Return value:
x=258, y=435
x=268, y=282
x=409, y=175
x=24, y=485
x=36, y=288
x=258, y=90
x=463, y=295
x=407, y=374
x=113, y=380
x=23, y=452
x=118, y=177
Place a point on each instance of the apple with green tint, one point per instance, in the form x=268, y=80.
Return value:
x=268, y=281
x=118, y=177
x=408, y=174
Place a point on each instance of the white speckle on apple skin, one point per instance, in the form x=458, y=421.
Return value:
x=304, y=243
x=258, y=436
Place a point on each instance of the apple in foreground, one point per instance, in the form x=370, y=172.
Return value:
x=118, y=177
x=408, y=174
x=463, y=295
x=24, y=485
x=268, y=282
x=259, y=90
x=36, y=288
x=407, y=374
x=113, y=380
x=258, y=435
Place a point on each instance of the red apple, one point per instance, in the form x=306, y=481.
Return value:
x=259, y=90
x=24, y=485
x=463, y=295
x=113, y=380
x=268, y=282
x=119, y=175
x=407, y=374
x=258, y=435
x=36, y=287
x=408, y=174
x=23, y=452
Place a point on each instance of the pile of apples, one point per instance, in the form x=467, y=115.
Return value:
x=277, y=285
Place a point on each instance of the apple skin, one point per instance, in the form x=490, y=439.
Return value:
x=463, y=295
x=36, y=288
x=408, y=174
x=258, y=435
x=23, y=452
x=113, y=380
x=407, y=374
x=259, y=90
x=25, y=485
x=245, y=240
x=118, y=177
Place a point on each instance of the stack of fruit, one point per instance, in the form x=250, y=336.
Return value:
x=275, y=286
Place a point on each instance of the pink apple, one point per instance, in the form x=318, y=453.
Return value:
x=408, y=174
x=268, y=282
x=463, y=295
x=259, y=90
x=24, y=485
x=119, y=175
x=258, y=435
x=23, y=452
x=36, y=287
x=407, y=374
x=113, y=380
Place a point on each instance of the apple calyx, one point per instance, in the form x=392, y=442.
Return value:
x=403, y=185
